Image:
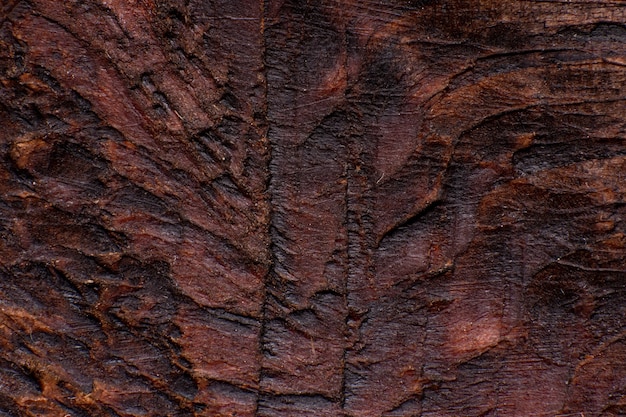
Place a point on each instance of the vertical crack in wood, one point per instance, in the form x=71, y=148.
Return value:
x=268, y=197
x=346, y=276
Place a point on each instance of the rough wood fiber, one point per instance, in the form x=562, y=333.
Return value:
x=312, y=208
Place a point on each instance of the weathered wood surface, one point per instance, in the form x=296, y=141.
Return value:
x=312, y=208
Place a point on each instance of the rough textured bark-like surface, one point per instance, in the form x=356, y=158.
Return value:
x=451, y=171
x=298, y=208
x=134, y=213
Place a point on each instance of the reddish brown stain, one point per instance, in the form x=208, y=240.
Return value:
x=295, y=208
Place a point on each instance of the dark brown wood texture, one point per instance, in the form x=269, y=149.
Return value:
x=312, y=208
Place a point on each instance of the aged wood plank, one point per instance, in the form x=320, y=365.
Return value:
x=297, y=208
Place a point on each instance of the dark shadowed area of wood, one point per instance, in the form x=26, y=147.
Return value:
x=291, y=208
